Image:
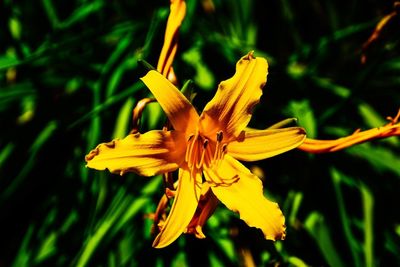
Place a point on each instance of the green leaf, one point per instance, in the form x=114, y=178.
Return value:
x=5, y=153
x=368, y=205
x=303, y=111
x=7, y=61
x=51, y=13
x=297, y=262
x=296, y=198
x=82, y=12
x=101, y=107
x=373, y=119
x=23, y=257
x=328, y=84
x=227, y=247
x=319, y=230
x=179, y=260
x=123, y=119
x=203, y=77
x=15, y=28
x=47, y=249
x=153, y=113
x=355, y=248
x=106, y=223
x=214, y=260
x=41, y=139
x=381, y=158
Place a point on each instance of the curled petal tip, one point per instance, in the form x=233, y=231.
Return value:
x=199, y=232
x=250, y=55
x=280, y=235
x=93, y=153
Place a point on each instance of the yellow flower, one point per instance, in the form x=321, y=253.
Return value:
x=208, y=145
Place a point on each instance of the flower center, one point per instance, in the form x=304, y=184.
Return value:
x=201, y=150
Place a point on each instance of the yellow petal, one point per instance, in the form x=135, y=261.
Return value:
x=182, y=115
x=231, y=108
x=260, y=144
x=168, y=51
x=146, y=154
x=246, y=197
x=182, y=210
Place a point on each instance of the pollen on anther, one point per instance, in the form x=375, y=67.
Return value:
x=220, y=136
x=205, y=143
x=224, y=146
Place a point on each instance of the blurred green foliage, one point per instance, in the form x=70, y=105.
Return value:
x=69, y=79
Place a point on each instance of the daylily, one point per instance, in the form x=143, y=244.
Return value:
x=209, y=144
x=168, y=51
x=323, y=146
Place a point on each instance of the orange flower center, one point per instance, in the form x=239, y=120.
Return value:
x=201, y=150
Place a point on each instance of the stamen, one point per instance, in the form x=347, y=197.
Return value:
x=208, y=158
x=224, y=146
x=200, y=163
x=220, y=136
x=222, y=152
x=221, y=181
x=192, y=152
x=220, y=156
x=205, y=143
x=188, y=148
x=198, y=151
x=212, y=177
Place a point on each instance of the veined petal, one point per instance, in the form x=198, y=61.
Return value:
x=231, y=108
x=246, y=197
x=182, y=210
x=260, y=144
x=145, y=154
x=182, y=115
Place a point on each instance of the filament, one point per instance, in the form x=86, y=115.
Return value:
x=187, y=150
x=198, y=151
x=200, y=163
x=221, y=181
x=217, y=146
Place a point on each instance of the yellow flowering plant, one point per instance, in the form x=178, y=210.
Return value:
x=76, y=82
x=206, y=149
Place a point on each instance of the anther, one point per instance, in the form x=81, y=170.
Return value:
x=205, y=143
x=220, y=136
x=224, y=146
x=190, y=137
